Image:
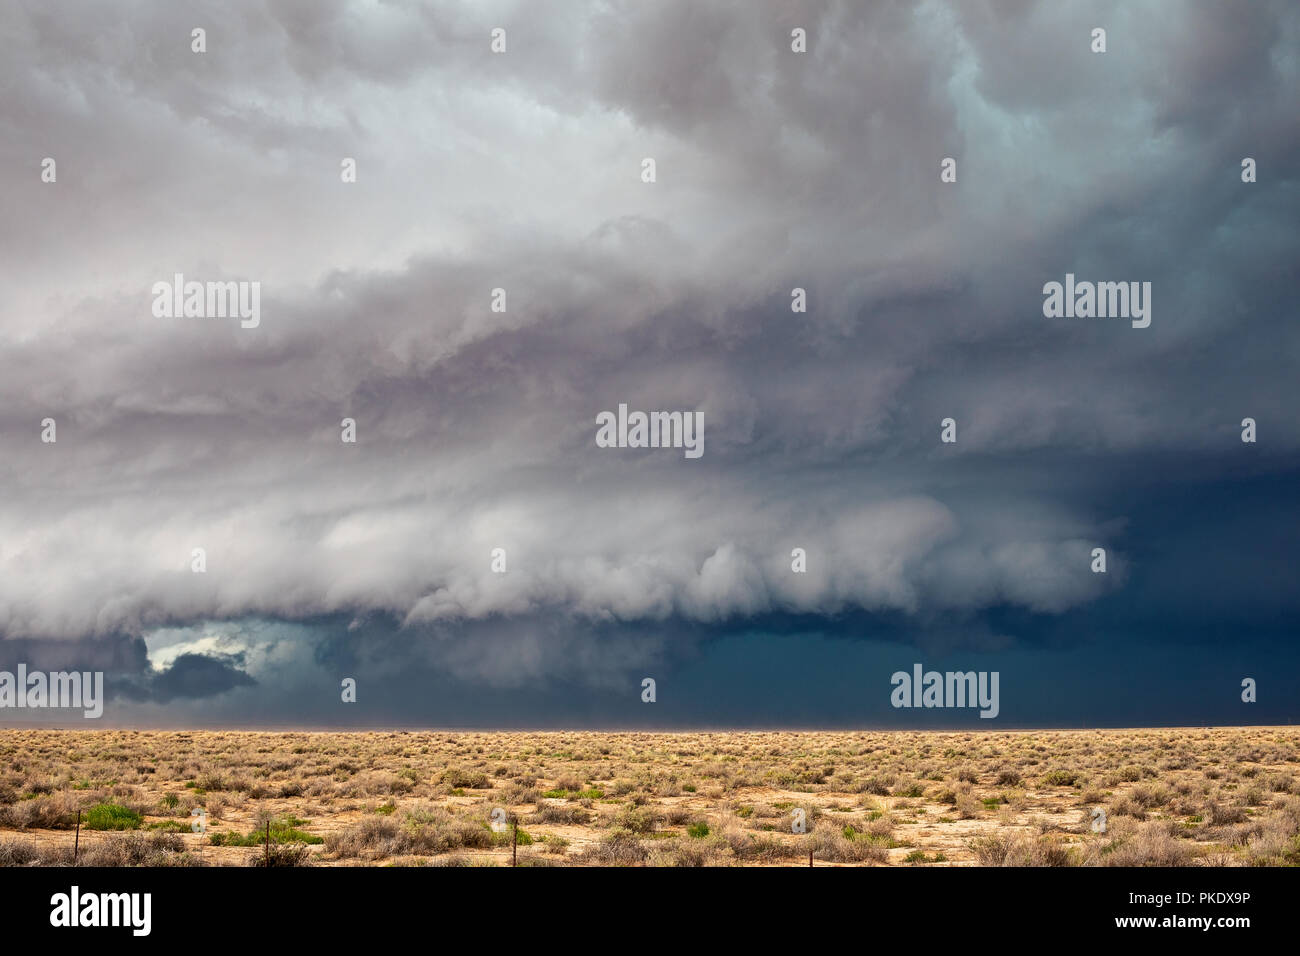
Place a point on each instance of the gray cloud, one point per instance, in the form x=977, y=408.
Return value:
x=521, y=171
x=193, y=677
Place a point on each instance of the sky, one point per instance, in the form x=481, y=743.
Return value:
x=774, y=170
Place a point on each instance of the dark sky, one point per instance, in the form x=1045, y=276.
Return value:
x=476, y=429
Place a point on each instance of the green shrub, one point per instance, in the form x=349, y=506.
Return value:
x=507, y=838
x=283, y=831
x=111, y=816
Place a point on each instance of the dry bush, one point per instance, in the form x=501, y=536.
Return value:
x=619, y=848
x=19, y=853
x=282, y=854
x=373, y=838
x=967, y=807
x=757, y=848
x=137, y=849
x=56, y=811
x=560, y=813
x=1150, y=796
x=1277, y=842
x=1020, y=849
x=428, y=831
x=694, y=853
x=833, y=845
x=876, y=785
x=1219, y=814
x=678, y=816
x=556, y=844
x=1129, y=843
x=1126, y=806
x=637, y=819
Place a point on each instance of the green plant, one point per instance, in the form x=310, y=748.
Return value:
x=284, y=830
x=111, y=816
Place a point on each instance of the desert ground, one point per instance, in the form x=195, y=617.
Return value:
x=1164, y=797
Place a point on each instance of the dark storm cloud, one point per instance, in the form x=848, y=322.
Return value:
x=476, y=428
x=193, y=677
x=117, y=653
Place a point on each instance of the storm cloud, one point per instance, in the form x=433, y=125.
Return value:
x=475, y=428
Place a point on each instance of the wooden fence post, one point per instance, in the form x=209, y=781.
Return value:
x=76, y=841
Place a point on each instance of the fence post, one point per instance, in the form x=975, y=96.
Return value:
x=76, y=842
x=514, y=844
x=268, y=844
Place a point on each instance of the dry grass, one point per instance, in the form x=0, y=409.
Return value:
x=1171, y=797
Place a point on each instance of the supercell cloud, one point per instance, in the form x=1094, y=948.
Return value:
x=475, y=428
